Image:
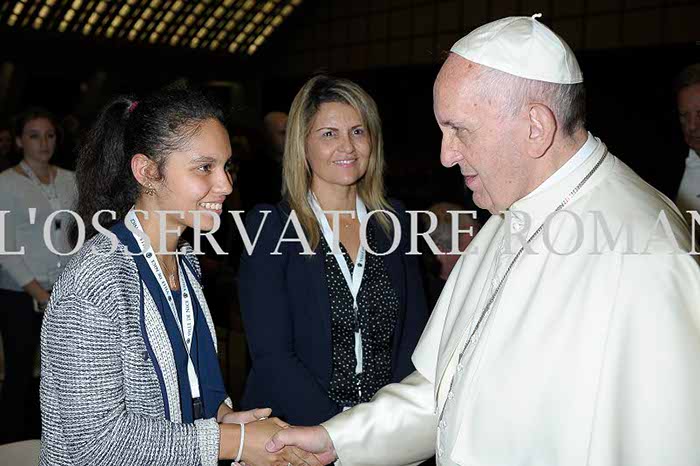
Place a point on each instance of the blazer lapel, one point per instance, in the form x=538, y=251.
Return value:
x=157, y=340
x=313, y=271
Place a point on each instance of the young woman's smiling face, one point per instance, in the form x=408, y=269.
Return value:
x=198, y=178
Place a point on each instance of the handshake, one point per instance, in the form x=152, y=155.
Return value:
x=253, y=439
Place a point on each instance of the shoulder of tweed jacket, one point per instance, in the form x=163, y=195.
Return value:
x=101, y=401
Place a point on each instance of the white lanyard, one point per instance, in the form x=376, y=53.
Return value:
x=51, y=193
x=186, y=330
x=49, y=190
x=353, y=281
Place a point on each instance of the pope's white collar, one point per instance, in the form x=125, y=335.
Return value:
x=570, y=166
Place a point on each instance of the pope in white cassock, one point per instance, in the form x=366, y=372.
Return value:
x=569, y=334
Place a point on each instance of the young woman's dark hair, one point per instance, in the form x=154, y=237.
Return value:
x=34, y=113
x=155, y=126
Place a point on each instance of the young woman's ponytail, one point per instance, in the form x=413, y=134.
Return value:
x=103, y=170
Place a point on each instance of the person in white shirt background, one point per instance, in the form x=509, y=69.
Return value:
x=33, y=185
x=687, y=89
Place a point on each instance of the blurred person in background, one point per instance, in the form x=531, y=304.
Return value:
x=261, y=174
x=30, y=192
x=275, y=124
x=687, y=89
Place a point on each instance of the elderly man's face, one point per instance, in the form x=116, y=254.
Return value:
x=689, y=113
x=477, y=137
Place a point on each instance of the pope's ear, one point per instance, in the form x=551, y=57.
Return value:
x=542, y=127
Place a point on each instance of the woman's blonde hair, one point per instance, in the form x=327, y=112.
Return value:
x=295, y=167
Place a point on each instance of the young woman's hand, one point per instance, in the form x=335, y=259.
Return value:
x=258, y=433
x=228, y=416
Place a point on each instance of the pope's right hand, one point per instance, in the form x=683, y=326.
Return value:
x=311, y=439
x=254, y=447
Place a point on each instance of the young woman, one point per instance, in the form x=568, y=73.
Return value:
x=33, y=185
x=327, y=331
x=129, y=367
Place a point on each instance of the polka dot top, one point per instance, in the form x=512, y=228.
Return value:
x=378, y=308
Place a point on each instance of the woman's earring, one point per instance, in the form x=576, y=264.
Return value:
x=150, y=190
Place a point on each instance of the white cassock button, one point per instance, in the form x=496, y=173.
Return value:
x=451, y=396
x=440, y=452
x=460, y=367
x=442, y=424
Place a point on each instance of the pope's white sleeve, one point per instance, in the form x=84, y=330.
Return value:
x=397, y=427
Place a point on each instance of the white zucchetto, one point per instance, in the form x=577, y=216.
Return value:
x=521, y=46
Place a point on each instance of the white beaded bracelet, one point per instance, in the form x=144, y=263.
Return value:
x=240, y=446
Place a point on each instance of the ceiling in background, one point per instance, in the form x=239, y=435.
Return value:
x=228, y=26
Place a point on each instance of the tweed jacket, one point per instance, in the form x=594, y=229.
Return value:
x=101, y=398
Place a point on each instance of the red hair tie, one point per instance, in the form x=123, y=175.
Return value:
x=133, y=106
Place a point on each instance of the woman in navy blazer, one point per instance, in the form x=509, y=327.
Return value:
x=316, y=347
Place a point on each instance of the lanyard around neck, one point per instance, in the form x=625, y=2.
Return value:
x=186, y=327
x=353, y=281
x=49, y=190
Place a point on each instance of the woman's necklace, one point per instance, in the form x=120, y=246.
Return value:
x=346, y=222
x=169, y=274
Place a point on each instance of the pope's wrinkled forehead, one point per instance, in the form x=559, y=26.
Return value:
x=455, y=82
x=456, y=67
